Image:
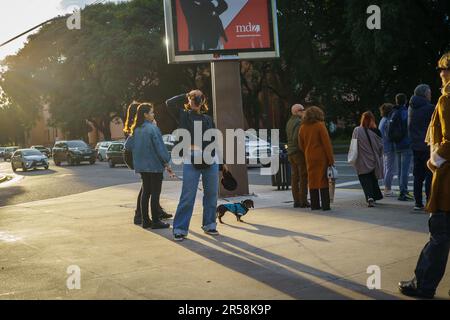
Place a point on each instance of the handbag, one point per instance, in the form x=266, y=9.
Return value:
x=379, y=166
x=332, y=173
x=128, y=158
x=353, y=152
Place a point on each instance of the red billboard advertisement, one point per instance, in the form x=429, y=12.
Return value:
x=204, y=30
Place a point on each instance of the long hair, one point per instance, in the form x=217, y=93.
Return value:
x=368, y=120
x=140, y=118
x=131, y=114
x=313, y=115
x=203, y=105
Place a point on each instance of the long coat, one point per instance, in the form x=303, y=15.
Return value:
x=315, y=142
x=370, y=153
x=439, y=132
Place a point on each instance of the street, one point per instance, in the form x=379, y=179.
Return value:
x=65, y=180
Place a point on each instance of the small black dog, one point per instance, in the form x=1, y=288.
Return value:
x=238, y=209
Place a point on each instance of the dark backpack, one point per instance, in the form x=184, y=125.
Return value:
x=396, y=130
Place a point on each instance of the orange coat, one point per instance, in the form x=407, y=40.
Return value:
x=315, y=142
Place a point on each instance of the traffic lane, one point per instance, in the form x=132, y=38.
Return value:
x=61, y=181
x=66, y=180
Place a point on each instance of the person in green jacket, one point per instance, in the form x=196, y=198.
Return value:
x=297, y=159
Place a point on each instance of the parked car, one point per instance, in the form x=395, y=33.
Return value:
x=27, y=159
x=43, y=149
x=101, y=149
x=258, y=151
x=169, y=141
x=2, y=151
x=74, y=152
x=9, y=152
x=114, y=154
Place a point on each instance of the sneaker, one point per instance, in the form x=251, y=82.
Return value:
x=160, y=225
x=371, y=203
x=212, y=232
x=419, y=207
x=409, y=288
x=409, y=197
x=389, y=194
x=178, y=237
x=164, y=215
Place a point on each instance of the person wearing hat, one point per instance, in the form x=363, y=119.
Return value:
x=192, y=108
x=431, y=266
x=419, y=117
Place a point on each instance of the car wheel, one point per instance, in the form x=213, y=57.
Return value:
x=100, y=158
x=70, y=161
x=111, y=163
x=24, y=168
x=46, y=167
x=92, y=162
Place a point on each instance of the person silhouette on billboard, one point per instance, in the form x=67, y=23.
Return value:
x=204, y=24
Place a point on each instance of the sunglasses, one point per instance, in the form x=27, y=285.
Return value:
x=197, y=99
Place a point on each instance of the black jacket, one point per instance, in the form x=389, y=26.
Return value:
x=204, y=24
x=419, y=117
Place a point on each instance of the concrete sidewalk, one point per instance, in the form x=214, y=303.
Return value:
x=279, y=253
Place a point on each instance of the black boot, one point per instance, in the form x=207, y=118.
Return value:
x=137, y=218
x=325, y=197
x=315, y=199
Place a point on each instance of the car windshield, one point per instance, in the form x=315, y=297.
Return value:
x=39, y=147
x=116, y=147
x=77, y=144
x=28, y=153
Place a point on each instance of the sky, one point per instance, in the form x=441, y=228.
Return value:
x=17, y=16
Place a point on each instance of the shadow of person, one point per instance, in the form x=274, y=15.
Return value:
x=275, y=232
x=279, y=272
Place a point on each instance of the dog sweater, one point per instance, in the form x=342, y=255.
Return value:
x=236, y=208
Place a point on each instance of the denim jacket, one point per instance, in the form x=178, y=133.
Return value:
x=149, y=152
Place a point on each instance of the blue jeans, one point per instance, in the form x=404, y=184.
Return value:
x=191, y=178
x=389, y=169
x=404, y=167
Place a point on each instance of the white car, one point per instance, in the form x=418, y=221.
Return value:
x=101, y=148
x=258, y=151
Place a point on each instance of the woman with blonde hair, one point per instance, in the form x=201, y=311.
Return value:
x=369, y=164
x=191, y=108
x=315, y=141
x=432, y=263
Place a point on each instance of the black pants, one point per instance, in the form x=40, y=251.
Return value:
x=369, y=183
x=151, y=186
x=421, y=174
x=433, y=260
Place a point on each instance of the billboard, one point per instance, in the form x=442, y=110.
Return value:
x=214, y=30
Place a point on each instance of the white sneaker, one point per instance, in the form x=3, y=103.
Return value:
x=389, y=194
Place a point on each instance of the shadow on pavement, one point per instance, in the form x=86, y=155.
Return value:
x=276, y=232
x=276, y=271
x=37, y=172
x=7, y=194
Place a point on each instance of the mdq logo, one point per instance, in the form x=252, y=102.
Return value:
x=246, y=28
